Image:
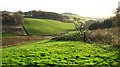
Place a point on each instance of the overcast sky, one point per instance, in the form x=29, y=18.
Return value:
x=90, y=8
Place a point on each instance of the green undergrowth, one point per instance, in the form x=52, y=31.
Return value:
x=9, y=35
x=53, y=53
x=70, y=36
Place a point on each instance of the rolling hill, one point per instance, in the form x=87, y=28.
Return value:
x=83, y=19
x=71, y=16
x=45, y=26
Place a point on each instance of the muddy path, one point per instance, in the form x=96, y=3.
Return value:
x=12, y=41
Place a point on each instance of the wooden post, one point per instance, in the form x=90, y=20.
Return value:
x=84, y=37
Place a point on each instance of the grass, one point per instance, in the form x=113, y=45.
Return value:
x=48, y=52
x=45, y=26
x=9, y=35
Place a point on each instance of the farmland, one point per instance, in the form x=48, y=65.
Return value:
x=45, y=26
x=45, y=38
x=36, y=28
x=49, y=52
x=40, y=50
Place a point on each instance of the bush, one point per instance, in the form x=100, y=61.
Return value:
x=101, y=38
x=98, y=36
x=71, y=36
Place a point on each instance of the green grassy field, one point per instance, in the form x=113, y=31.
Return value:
x=45, y=26
x=61, y=53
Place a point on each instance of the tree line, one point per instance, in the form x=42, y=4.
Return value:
x=46, y=15
x=12, y=18
x=38, y=14
x=108, y=23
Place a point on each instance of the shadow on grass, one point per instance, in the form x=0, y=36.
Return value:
x=71, y=30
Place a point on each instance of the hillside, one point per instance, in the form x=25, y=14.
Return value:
x=45, y=26
x=12, y=30
x=71, y=16
x=90, y=18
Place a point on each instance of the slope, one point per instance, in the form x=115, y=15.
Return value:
x=45, y=26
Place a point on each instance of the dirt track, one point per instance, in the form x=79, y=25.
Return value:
x=11, y=41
